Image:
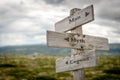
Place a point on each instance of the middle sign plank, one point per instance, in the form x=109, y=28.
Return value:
x=79, y=18
x=71, y=40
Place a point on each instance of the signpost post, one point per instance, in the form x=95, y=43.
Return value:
x=83, y=46
x=78, y=74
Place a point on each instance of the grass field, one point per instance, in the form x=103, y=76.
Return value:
x=21, y=67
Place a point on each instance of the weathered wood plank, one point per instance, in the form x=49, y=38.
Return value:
x=69, y=40
x=87, y=60
x=79, y=18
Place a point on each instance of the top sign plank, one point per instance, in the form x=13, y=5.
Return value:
x=79, y=18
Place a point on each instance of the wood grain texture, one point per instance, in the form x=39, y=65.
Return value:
x=89, y=59
x=70, y=40
x=79, y=74
x=79, y=18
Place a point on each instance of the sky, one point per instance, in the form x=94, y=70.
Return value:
x=24, y=22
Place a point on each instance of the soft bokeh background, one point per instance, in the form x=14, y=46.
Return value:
x=26, y=21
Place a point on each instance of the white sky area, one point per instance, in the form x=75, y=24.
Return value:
x=26, y=21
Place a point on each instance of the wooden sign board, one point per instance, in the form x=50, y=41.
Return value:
x=79, y=18
x=69, y=40
x=87, y=60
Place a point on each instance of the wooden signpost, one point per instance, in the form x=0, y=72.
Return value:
x=83, y=46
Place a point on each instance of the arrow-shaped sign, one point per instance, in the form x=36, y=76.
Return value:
x=88, y=59
x=79, y=18
x=69, y=40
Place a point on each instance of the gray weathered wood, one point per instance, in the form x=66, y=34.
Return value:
x=83, y=46
x=79, y=74
x=76, y=62
x=70, y=40
x=78, y=18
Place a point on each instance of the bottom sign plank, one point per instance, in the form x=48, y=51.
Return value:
x=89, y=59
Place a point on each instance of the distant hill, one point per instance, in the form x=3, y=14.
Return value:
x=30, y=49
x=114, y=49
x=43, y=49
